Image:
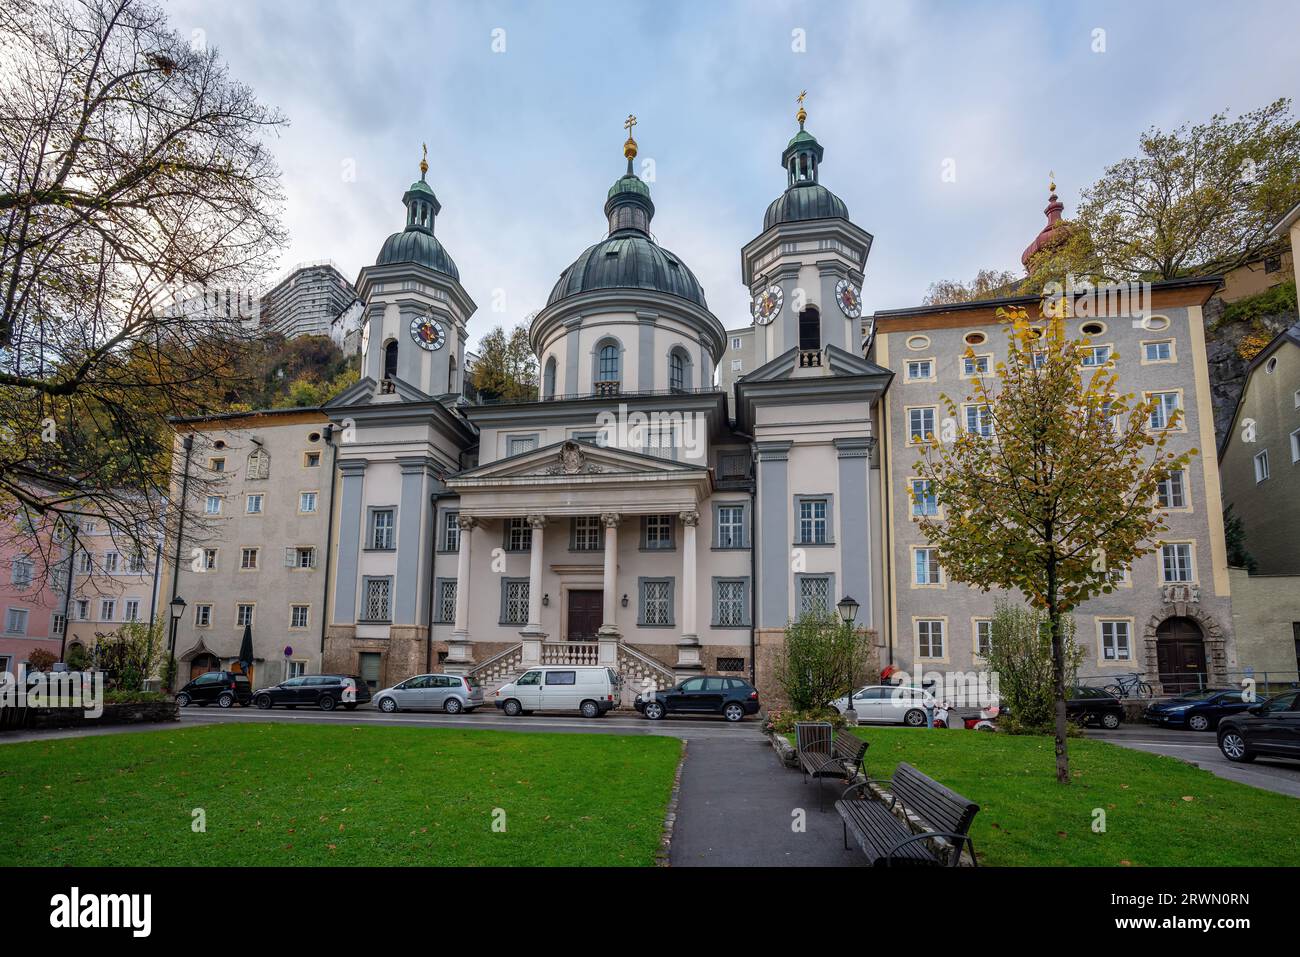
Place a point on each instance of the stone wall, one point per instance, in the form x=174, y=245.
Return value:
x=1266, y=619
x=1226, y=366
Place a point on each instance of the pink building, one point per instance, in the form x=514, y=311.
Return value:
x=30, y=603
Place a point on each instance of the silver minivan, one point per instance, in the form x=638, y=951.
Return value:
x=450, y=693
x=590, y=690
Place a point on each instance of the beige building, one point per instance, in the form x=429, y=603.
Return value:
x=254, y=547
x=1171, y=614
x=114, y=581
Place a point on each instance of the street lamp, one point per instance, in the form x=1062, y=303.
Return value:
x=848, y=609
x=177, y=607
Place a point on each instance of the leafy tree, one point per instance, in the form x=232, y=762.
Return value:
x=131, y=655
x=1234, y=535
x=1020, y=654
x=1062, y=491
x=506, y=367
x=821, y=660
x=41, y=660
x=987, y=284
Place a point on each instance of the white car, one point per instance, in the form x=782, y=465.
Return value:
x=889, y=704
x=588, y=690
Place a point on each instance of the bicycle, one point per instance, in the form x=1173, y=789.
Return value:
x=1130, y=685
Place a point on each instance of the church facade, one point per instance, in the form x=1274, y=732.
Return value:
x=634, y=514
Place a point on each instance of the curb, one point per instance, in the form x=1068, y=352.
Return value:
x=670, y=815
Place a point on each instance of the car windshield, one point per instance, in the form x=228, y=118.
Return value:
x=1197, y=695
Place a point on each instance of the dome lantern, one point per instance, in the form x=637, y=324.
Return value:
x=628, y=207
x=416, y=243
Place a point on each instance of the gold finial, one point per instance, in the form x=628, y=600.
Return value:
x=629, y=148
x=424, y=160
x=802, y=114
x=1051, y=184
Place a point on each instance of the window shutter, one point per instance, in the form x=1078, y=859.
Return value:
x=290, y=557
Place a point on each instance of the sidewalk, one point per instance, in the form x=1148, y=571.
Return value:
x=735, y=809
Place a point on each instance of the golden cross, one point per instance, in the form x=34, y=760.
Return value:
x=799, y=99
x=629, y=123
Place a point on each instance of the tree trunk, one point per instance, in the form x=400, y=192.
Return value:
x=1058, y=675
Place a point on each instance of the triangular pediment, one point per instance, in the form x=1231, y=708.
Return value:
x=369, y=392
x=573, y=458
x=838, y=362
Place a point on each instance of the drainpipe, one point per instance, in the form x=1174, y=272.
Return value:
x=67, y=594
x=328, y=434
x=753, y=584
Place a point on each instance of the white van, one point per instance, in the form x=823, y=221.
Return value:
x=589, y=690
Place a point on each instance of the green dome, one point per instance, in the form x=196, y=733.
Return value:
x=629, y=184
x=415, y=245
x=629, y=260
x=803, y=202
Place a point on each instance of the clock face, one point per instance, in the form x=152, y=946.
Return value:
x=428, y=333
x=849, y=298
x=767, y=304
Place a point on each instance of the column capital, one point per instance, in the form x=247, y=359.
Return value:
x=610, y=519
x=855, y=447
x=351, y=466
x=690, y=518
x=466, y=522
x=537, y=521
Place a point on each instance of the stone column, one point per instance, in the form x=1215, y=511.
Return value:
x=609, y=619
x=460, y=654
x=532, y=631
x=349, y=554
x=688, y=646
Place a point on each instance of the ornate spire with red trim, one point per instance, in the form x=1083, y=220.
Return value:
x=1054, y=232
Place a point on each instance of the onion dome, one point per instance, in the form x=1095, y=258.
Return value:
x=416, y=243
x=628, y=258
x=804, y=198
x=1056, y=230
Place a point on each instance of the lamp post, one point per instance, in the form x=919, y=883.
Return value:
x=848, y=609
x=177, y=607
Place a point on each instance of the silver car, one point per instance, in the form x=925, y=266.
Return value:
x=450, y=693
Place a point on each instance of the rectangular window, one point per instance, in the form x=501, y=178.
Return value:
x=983, y=637
x=202, y=616
x=311, y=460
x=929, y=638
x=1115, y=645
x=736, y=365
x=83, y=609
x=518, y=444
x=730, y=603
x=136, y=564
x=519, y=535
x=812, y=521
x=22, y=572
x=295, y=669
x=209, y=559
x=107, y=610
x=298, y=616
x=243, y=615
x=132, y=609
x=306, y=502
x=1261, y=466
x=924, y=499
x=253, y=505
x=926, y=566
x=973, y=366
x=1094, y=356
x=217, y=465
x=212, y=505
x=1295, y=446
x=57, y=624
x=731, y=664
x=658, y=531
x=248, y=558
x=516, y=601
x=920, y=369
x=661, y=441
x=16, y=621
x=979, y=420
x=377, y=595
x=1162, y=351
x=1162, y=413
x=920, y=423
x=731, y=526
x=300, y=556
x=85, y=563
x=1176, y=562
x=656, y=601
x=451, y=531
x=735, y=342
x=588, y=533
x=814, y=594
x=382, y=530
x=446, y=608
x=111, y=563
x=1171, y=493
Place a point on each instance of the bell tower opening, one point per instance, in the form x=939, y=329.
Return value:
x=390, y=359
x=810, y=330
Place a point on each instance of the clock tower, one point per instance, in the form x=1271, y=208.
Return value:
x=416, y=310
x=805, y=269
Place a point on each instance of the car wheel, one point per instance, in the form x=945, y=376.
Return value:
x=653, y=710
x=1110, y=721
x=182, y=700
x=1198, y=722
x=589, y=709
x=914, y=718
x=453, y=706
x=326, y=702
x=387, y=705
x=733, y=712
x=512, y=708
x=1233, y=746
x=263, y=701
x=226, y=700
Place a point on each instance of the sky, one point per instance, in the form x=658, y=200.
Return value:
x=940, y=121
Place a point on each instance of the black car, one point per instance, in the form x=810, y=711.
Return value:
x=1094, y=706
x=223, y=688
x=320, y=691
x=733, y=698
x=1197, y=710
x=1269, y=728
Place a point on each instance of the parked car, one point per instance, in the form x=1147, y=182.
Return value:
x=223, y=688
x=1197, y=710
x=733, y=698
x=322, y=691
x=889, y=704
x=588, y=689
x=450, y=693
x=1088, y=705
x=1270, y=728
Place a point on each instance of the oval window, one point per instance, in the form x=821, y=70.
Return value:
x=314, y=437
x=976, y=339
x=1093, y=328
x=219, y=444
x=916, y=343
x=1156, y=323
x=1271, y=365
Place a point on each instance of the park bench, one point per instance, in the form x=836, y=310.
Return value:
x=820, y=756
x=887, y=840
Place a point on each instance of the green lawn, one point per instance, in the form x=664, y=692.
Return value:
x=307, y=794
x=1159, y=810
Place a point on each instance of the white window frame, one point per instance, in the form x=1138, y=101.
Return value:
x=921, y=370
x=304, y=500
x=1158, y=419
x=930, y=638
x=1112, y=645
x=1177, y=555
x=1168, y=360
x=933, y=570
x=294, y=616
x=1177, y=481
x=1261, y=466
x=253, y=497
x=240, y=618
x=913, y=436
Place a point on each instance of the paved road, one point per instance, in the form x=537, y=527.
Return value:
x=1202, y=749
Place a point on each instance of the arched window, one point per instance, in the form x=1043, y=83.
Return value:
x=676, y=371
x=259, y=464
x=548, y=379
x=608, y=377
x=390, y=359
x=810, y=329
